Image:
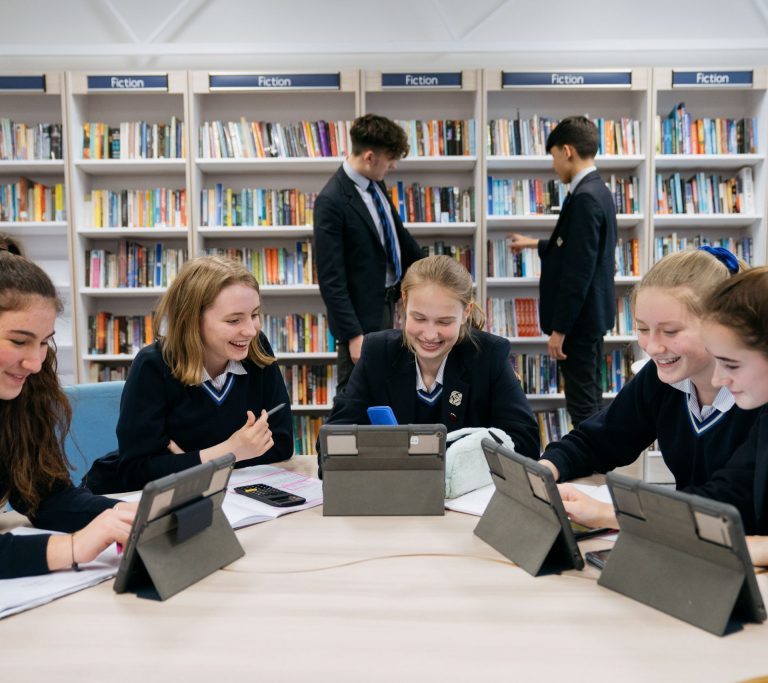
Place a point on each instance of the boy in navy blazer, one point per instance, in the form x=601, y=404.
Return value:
x=577, y=304
x=361, y=245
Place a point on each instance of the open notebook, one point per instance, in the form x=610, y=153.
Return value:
x=17, y=595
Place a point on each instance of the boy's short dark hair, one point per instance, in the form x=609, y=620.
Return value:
x=379, y=134
x=578, y=132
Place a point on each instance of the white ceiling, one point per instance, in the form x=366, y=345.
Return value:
x=427, y=33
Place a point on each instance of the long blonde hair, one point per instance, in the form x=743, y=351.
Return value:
x=179, y=314
x=450, y=274
x=689, y=276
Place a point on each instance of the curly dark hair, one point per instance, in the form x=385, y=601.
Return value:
x=33, y=425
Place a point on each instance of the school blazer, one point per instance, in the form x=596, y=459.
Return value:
x=480, y=388
x=576, y=287
x=351, y=261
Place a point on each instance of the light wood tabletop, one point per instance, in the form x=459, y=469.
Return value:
x=372, y=599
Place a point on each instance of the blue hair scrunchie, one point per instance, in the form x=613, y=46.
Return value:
x=724, y=256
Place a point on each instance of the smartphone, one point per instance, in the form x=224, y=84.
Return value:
x=381, y=415
x=598, y=558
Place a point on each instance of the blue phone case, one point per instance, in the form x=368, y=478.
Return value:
x=381, y=415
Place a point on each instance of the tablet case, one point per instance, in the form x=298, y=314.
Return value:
x=180, y=534
x=383, y=470
x=682, y=554
x=525, y=520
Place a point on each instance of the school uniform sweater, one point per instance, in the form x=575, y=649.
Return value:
x=156, y=408
x=647, y=409
x=65, y=509
x=744, y=481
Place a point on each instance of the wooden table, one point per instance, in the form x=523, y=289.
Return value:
x=372, y=599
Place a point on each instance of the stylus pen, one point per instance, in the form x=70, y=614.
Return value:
x=276, y=408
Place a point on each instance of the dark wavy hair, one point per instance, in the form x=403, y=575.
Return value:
x=33, y=425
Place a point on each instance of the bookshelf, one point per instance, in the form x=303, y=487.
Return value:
x=520, y=109
x=270, y=192
x=32, y=100
x=435, y=109
x=709, y=94
x=128, y=139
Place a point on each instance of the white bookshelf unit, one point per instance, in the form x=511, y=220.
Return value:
x=33, y=99
x=421, y=100
x=114, y=99
x=712, y=94
x=245, y=98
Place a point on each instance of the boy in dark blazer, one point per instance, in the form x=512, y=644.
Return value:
x=361, y=245
x=577, y=304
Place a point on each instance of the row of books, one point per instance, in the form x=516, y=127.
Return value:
x=156, y=208
x=310, y=385
x=275, y=265
x=524, y=196
x=503, y=262
x=519, y=317
x=299, y=333
x=264, y=139
x=306, y=429
x=113, y=334
x=107, y=372
x=625, y=319
x=134, y=265
x=625, y=193
x=440, y=137
x=253, y=207
x=680, y=133
x=519, y=137
x=29, y=141
x=465, y=254
x=553, y=425
x=627, y=257
x=26, y=200
x=668, y=244
x=705, y=194
x=539, y=372
x=134, y=140
x=418, y=203
x=522, y=137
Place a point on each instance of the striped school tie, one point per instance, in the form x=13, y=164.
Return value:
x=389, y=231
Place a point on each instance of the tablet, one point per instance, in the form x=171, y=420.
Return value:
x=179, y=534
x=682, y=554
x=383, y=469
x=525, y=519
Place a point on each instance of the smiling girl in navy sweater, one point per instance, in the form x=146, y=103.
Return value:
x=735, y=332
x=671, y=400
x=195, y=394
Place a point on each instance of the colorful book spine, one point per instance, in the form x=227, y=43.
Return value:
x=275, y=265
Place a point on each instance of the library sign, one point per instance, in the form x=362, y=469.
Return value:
x=421, y=80
x=711, y=79
x=274, y=81
x=120, y=83
x=22, y=83
x=566, y=79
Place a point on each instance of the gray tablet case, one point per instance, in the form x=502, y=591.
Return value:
x=525, y=519
x=682, y=554
x=383, y=469
x=180, y=534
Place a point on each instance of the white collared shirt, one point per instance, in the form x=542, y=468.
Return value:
x=579, y=177
x=723, y=402
x=420, y=386
x=361, y=184
x=234, y=366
